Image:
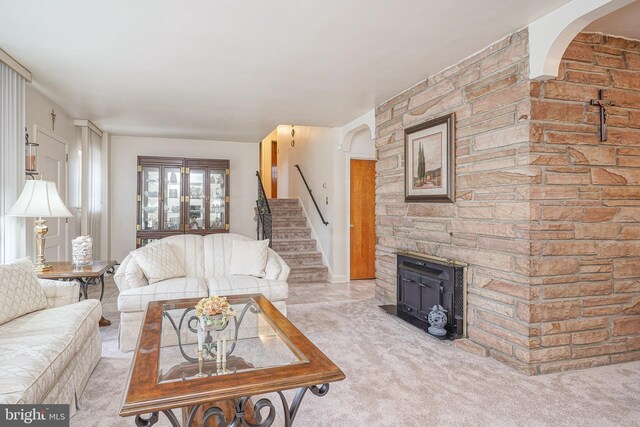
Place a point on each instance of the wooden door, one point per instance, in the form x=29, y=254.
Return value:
x=53, y=167
x=274, y=169
x=363, y=219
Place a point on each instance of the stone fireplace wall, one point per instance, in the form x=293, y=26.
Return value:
x=585, y=263
x=542, y=207
x=487, y=226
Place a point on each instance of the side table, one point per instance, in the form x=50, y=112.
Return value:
x=92, y=275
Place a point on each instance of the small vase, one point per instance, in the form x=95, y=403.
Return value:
x=82, y=251
x=438, y=320
x=214, y=323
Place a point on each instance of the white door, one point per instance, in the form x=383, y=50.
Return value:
x=52, y=165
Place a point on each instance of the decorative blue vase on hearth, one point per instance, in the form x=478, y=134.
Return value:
x=438, y=320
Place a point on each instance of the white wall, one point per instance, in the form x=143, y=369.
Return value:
x=38, y=112
x=123, y=178
x=362, y=145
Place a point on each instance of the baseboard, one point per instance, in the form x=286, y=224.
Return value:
x=338, y=278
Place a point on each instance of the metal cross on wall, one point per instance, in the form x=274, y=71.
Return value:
x=603, y=104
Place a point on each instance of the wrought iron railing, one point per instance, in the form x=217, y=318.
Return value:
x=263, y=214
x=313, y=199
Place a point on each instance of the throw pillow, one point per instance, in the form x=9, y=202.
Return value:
x=158, y=262
x=134, y=274
x=20, y=291
x=249, y=257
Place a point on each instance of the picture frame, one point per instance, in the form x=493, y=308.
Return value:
x=429, y=167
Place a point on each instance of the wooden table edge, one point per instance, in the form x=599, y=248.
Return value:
x=174, y=403
x=53, y=275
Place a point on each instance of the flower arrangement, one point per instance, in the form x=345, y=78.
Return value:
x=214, y=310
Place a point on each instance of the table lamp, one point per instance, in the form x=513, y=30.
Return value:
x=39, y=199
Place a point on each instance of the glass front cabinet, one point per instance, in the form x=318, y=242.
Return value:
x=181, y=196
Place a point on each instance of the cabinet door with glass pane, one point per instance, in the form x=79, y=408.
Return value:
x=149, y=198
x=172, y=198
x=218, y=200
x=197, y=212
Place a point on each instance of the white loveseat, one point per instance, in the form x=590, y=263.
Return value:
x=48, y=355
x=206, y=261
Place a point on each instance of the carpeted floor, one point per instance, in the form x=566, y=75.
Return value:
x=399, y=376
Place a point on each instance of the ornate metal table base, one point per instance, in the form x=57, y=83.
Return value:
x=85, y=282
x=241, y=407
x=94, y=281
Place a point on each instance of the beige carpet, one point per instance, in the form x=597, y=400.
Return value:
x=399, y=376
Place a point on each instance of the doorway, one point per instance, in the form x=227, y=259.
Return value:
x=362, y=219
x=52, y=164
x=274, y=169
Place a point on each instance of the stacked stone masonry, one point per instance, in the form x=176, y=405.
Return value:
x=546, y=215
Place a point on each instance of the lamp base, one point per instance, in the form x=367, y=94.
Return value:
x=40, y=229
x=42, y=268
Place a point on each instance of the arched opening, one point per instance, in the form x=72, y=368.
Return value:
x=550, y=35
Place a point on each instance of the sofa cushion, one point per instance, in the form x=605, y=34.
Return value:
x=249, y=257
x=274, y=290
x=136, y=299
x=189, y=248
x=37, y=347
x=20, y=291
x=158, y=262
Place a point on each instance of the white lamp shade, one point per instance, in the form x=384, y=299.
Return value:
x=39, y=199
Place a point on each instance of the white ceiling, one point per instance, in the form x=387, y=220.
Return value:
x=623, y=22
x=234, y=69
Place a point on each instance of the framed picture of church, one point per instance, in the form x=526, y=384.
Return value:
x=429, y=166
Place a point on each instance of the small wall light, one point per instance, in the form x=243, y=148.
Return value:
x=31, y=155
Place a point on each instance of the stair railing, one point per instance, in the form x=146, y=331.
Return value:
x=311, y=194
x=263, y=214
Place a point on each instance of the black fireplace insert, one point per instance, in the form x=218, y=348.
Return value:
x=424, y=282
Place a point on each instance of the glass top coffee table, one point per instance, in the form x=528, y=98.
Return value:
x=259, y=351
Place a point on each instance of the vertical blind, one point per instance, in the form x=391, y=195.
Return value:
x=12, y=157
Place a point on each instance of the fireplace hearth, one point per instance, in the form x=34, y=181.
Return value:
x=424, y=281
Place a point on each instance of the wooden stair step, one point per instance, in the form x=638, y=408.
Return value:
x=286, y=212
x=290, y=245
x=284, y=202
x=277, y=223
x=311, y=258
x=308, y=274
x=284, y=233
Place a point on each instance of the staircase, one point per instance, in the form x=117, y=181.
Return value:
x=291, y=239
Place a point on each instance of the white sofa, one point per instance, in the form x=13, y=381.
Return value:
x=206, y=260
x=48, y=355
